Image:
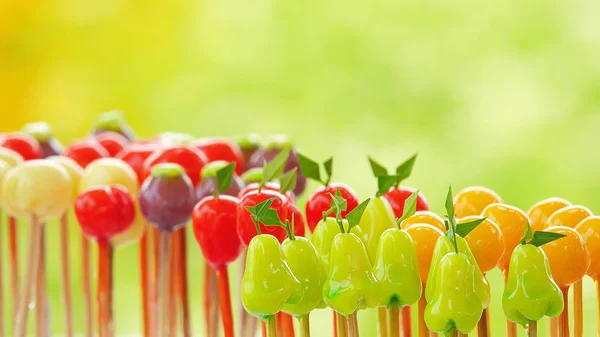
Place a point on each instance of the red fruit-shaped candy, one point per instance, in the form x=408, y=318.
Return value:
x=221, y=149
x=214, y=224
x=135, y=154
x=104, y=211
x=270, y=186
x=295, y=214
x=397, y=195
x=23, y=144
x=189, y=158
x=208, y=181
x=320, y=201
x=84, y=152
x=245, y=226
x=112, y=142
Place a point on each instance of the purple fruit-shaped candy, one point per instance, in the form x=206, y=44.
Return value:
x=167, y=197
x=42, y=132
x=208, y=181
x=249, y=144
x=113, y=121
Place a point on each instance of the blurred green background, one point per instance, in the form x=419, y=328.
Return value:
x=501, y=94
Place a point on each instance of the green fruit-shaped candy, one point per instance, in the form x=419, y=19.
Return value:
x=377, y=218
x=444, y=246
x=453, y=304
x=530, y=291
x=323, y=236
x=306, y=265
x=268, y=283
x=350, y=283
x=397, y=268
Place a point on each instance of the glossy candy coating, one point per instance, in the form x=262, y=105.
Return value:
x=304, y=261
x=42, y=132
x=109, y=171
x=36, y=187
x=221, y=149
x=486, y=242
x=170, y=139
x=135, y=154
x=397, y=195
x=270, y=186
x=320, y=201
x=512, y=222
x=245, y=226
x=268, y=283
x=397, y=268
x=4, y=168
x=541, y=211
x=473, y=200
x=84, y=152
x=589, y=229
x=73, y=169
x=25, y=145
x=10, y=157
x=351, y=284
x=530, y=292
x=453, y=304
x=214, y=224
x=104, y=211
x=323, y=236
x=569, y=258
x=424, y=238
x=299, y=225
x=424, y=217
x=248, y=144
x=208, y=182
x=377, y=218
x=112, y=142
x=189, y=158
x=568, y=216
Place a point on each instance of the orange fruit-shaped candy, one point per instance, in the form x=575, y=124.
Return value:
x=589, y=229
x=486, y=242
x=569, y=258
x=424, y=238
x=541, y=211
x=424, y=217
x=569, y=216
x=473, y=200
x=512, y=222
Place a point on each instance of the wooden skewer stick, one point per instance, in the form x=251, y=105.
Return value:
x=406, y=323
x=532, y=330
x=87, y=286
x=42, y=328
x=353, y=325
x=578, y=309
x=563, y=319
x=553, y=327
x=182, y=285
x=225, y=298
x=342, y=325
x=483, y=326
x=272, y=326
x=305, y=325
x=105, y=289
x=14, y=263
x=287, y=325
x=144, y=283
x=174, y=284
x=383, y=322
x=335, y=324
x=511, y=328
x=394, y=320
x=163, y=284
x=66, y=276
x=1, y=287
x=211, y=303
x=423, y=330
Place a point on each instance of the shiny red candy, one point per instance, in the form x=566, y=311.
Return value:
x=245, y=227
x=25, y=145
x=299, y=225
x=320, y=201
x=270, y=186
x=220, y=149
x=397, y=195
x=135, y=154
x=84, y=152
x=214, y=225
x=112, y=142
x=104, y=211
x=189, y=158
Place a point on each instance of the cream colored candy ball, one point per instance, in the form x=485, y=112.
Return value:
x=109, y=171
x=10, y=157
x=75, y=171
x=134, y=233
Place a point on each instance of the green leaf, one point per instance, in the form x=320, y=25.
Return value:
x=410, y=206
x=274, y=168
x=450, y=205
x=378, y=169
x=356, y=214
x=463, y=229
x=405, y=169
x=384, y=183
x=328, y=165
x=309, y=167
x=528, y=235
x=224, y=176
x=338, y=202
x=261, y=208
x=287, y=182
x=541, y=238
x=270, y=218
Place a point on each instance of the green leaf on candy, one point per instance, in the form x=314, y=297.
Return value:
x=385, y=182
x=541, y=238
x=463, y=229
x=262, y=207
x=274, y=168
x=405, y=169
x=337, y=201
x=528, y=235
x=410, y=207
x=270, y=218
x=328, y=165
x=378, y=169
x=309, y=168
x=356, y=214
x=287, y=182
x=224, y=176
x=450, y=205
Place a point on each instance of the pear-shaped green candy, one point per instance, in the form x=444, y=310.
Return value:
x=305, y=263
x=377, y=218
x=444, y=246
x=530, y=291
x=323, y=236
x=268, y=283
x=397, y=268
x=453, y=304
x=350, y=283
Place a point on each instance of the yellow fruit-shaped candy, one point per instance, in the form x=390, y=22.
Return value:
x=10, y=157
x=589, y=229
x=569, y=257
x=569, y=216
x=424, y=217
x=541, y=211
x=473, y=200
x=73, y=169
x=512, y=222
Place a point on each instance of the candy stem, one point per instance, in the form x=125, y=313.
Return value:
x=335, y=324
x=563, y=319
x=271, y=326
x=578, y=309
x=211, y=301
x=406, y=323
x=553, y=327
x=14, y=263
x=532, y=329
x=287, y=325
x=174, y=282
x=264, y=328
x=163, y=284
x=40, y=289
x=225, y=299
x=484, y=323
x=394, y=321
x=144, y=280
x=156, y=269
x=66, y=278
x=87, y=285
x=383, y=322
x=342, y=325
x=423, y=330
x=454, y=333
x=1, y=288
x=33, y=260
x=183, y=282
x=105, y=311
x=247, y=321
x=511, y=328
x=353, y=325
x=305, y=325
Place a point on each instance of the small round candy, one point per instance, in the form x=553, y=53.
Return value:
x=221, y=149
x=245, y=226
x=109, y=171
x=396, y=196
x=23, y=144
x=84, y=152
x=10, y=157
x=113, y=121
x=424, y=217
x=512, y=222
x=190, y=159
x=249, y=144
x=270, y=186
x=38, y=187
x=112, y=142
x=486, y=242
x=208, y=182
x=569, y=258
x=569, y=216
x=103, y=212
x=75, y=172
x=473, y=200
x=541, y=211
x=589, y=229
x=424, y=238
x=135, y=154
x=320, y=201
x=167, y=197
x=42, y=132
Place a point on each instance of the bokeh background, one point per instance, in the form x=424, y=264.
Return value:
x=504, y=94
